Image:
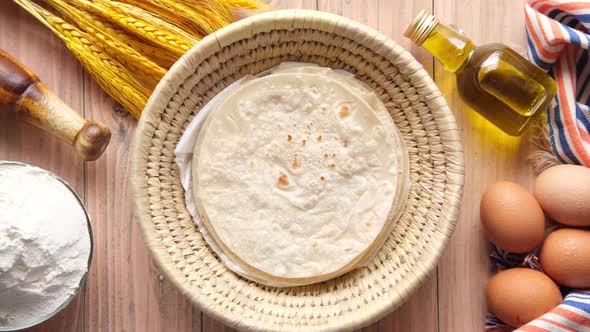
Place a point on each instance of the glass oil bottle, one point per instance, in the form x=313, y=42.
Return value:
x=493, y=79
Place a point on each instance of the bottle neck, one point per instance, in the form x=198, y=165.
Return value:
x=449, y=47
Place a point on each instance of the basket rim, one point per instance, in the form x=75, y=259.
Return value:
x=170, y=84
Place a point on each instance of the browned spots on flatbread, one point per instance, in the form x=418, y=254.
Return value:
x=325, y=155
x=333, y=155
x=303, y=142
x=283, y=180
x=332, y=165
x=319, y=138
x=344, y=111
x=296, y=162
x=369, y=225
x=322, y=178
x=345, y=143
x=275, y=98
x=289, y=138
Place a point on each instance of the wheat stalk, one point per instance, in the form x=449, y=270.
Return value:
x=178, y=14
x=205, y=8
x=162, y=57
x=141, y=23
x=127, y=45
x=118, y=81
x=70, y=13
x=124, y=54
x=246, y=4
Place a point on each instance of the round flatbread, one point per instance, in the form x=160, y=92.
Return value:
x=299, y=176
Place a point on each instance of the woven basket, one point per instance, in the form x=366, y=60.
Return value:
x=418, y=109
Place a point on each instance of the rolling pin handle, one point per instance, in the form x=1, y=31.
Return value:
x=92, y=140
x=35, y=104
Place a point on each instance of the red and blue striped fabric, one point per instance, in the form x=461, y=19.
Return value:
x=573, y=315
x=558, y=41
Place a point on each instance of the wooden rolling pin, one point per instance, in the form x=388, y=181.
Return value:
x=35, y=104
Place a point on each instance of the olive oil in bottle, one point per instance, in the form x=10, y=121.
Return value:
x=493, y=79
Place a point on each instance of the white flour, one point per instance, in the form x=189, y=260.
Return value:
x=44, y=245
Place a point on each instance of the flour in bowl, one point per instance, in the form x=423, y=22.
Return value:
x=44, y=245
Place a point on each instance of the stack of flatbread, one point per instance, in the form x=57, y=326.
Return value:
x=299, y=175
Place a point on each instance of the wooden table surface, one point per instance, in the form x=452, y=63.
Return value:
x=125, y=291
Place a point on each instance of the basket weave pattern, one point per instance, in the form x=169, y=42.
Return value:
x=417, y=108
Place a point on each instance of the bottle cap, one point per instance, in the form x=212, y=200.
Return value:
x=420, y=27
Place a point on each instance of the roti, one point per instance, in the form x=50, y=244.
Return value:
x=299, y=175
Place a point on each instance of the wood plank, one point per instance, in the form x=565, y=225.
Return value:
x=31, y=43
x=490, y=155
x=126, y=291
x=419, y=313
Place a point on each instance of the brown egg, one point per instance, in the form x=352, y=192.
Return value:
x=517, y=296
x=564, y=194
x=511, y=217
x=565, y=257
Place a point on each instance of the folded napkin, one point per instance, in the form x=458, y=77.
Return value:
x=558, y=42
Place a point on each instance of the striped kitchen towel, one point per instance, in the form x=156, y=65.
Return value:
x=558, y=41
x=573, y=315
